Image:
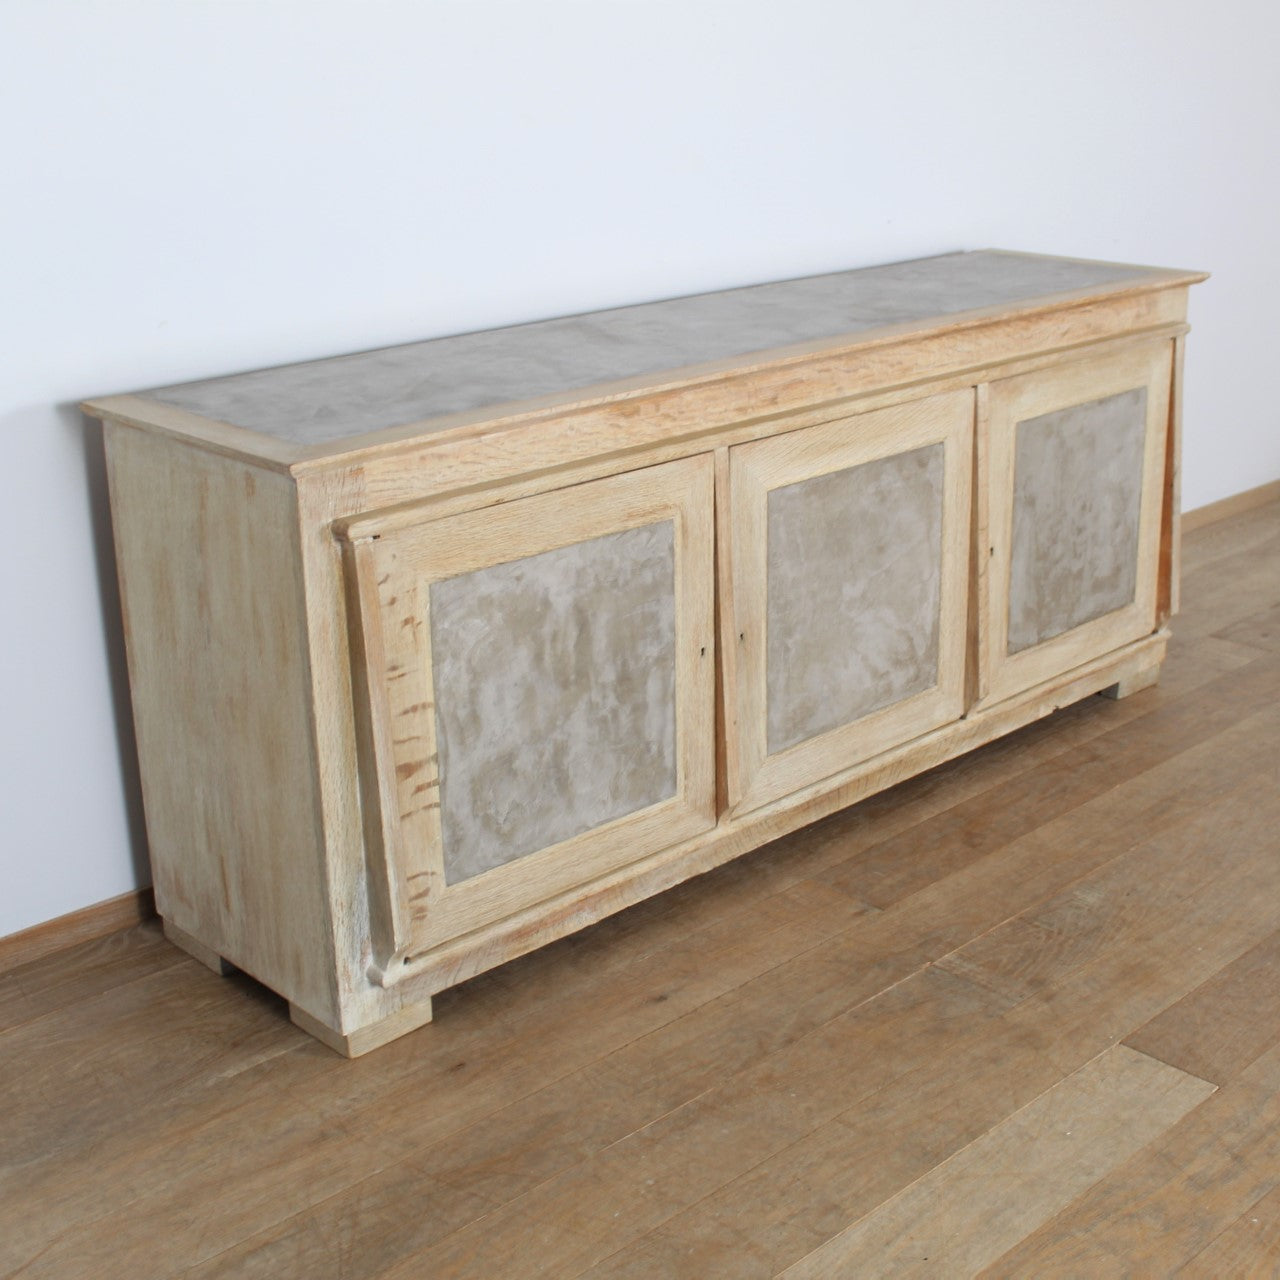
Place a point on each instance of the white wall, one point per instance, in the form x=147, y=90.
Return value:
x=195, y=188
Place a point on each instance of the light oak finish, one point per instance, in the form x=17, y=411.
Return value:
x=727, y=1076
x=215, y=619
x=394, y=574
x=196, y=949
x=308, y=554
x=1011, y=405
x=758, y=775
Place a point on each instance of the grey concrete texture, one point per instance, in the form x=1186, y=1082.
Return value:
x=556, y=695
x=854, y=565
x=1076, y=508
x=323, y=400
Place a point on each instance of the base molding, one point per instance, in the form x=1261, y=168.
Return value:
x=85, y=925
x=1235, y=505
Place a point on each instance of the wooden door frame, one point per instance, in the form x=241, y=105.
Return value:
x=753, y=776
x=391, y=574
x=1002, y=406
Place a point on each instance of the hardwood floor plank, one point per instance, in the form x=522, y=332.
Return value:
x=1225, y=1023
x=972, y=1208
x=372, y=1231
x=1261, y=630
x=789, y=1205
x=1249, y=1249
x=1225, y=591
x=1103, y=1000
x=1043, y=946
x=721, y=1079
x=816, y=989
x=82, y=972
x=1235, y=540
x=186, y=1028
x=595, y=1182
x=281, y=1168
x=643, y=1179
x=929, y=851
x=1170, y=1201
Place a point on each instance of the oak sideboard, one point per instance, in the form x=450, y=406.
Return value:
x=442, y=651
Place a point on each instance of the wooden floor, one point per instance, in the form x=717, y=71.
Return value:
x=1018, y=1017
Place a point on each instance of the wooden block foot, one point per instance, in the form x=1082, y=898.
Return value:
x=1133, y=684
x=352, y=1044
x=196, y=949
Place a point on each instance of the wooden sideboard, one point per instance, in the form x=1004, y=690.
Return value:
x=443, y=651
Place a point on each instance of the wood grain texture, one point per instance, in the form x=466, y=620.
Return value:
x=1169, y=571
x=1015, y=652
x=1249, y=1248
x=220, y=700
x=1261, y=631
x=1262, y=495
x=542, y=447
x=1218, y=1029
x=96, y=921
x=769, y=470
x=966, y=1212
x=410, y=578
x=1173, y=1199
x=424, y=839
x=453, y=962
x=718, y=1022
x=82, y=970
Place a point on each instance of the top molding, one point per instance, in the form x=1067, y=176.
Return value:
x=325, y=410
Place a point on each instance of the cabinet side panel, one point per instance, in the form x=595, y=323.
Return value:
x=211, y=581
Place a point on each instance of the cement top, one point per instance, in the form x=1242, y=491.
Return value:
x=313, y=403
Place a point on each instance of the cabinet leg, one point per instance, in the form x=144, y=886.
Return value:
x=1133, y=684
x=352, y=1044
x=196, y=949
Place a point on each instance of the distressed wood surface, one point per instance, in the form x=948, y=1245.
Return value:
x=826, y=673
x=654, y=1097
x=525, y=745
x=1056, y=589
x=221, y=703
x=439, y=847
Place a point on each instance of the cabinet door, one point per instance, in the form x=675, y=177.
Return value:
x=1075, y=466
x=846, y=622
x=538, y=692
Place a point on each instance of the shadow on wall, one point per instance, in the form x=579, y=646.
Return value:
x=95, y=475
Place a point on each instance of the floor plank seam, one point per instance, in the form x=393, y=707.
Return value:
x=938, y=1171
x=1164, y=1062
x=498, y=1206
